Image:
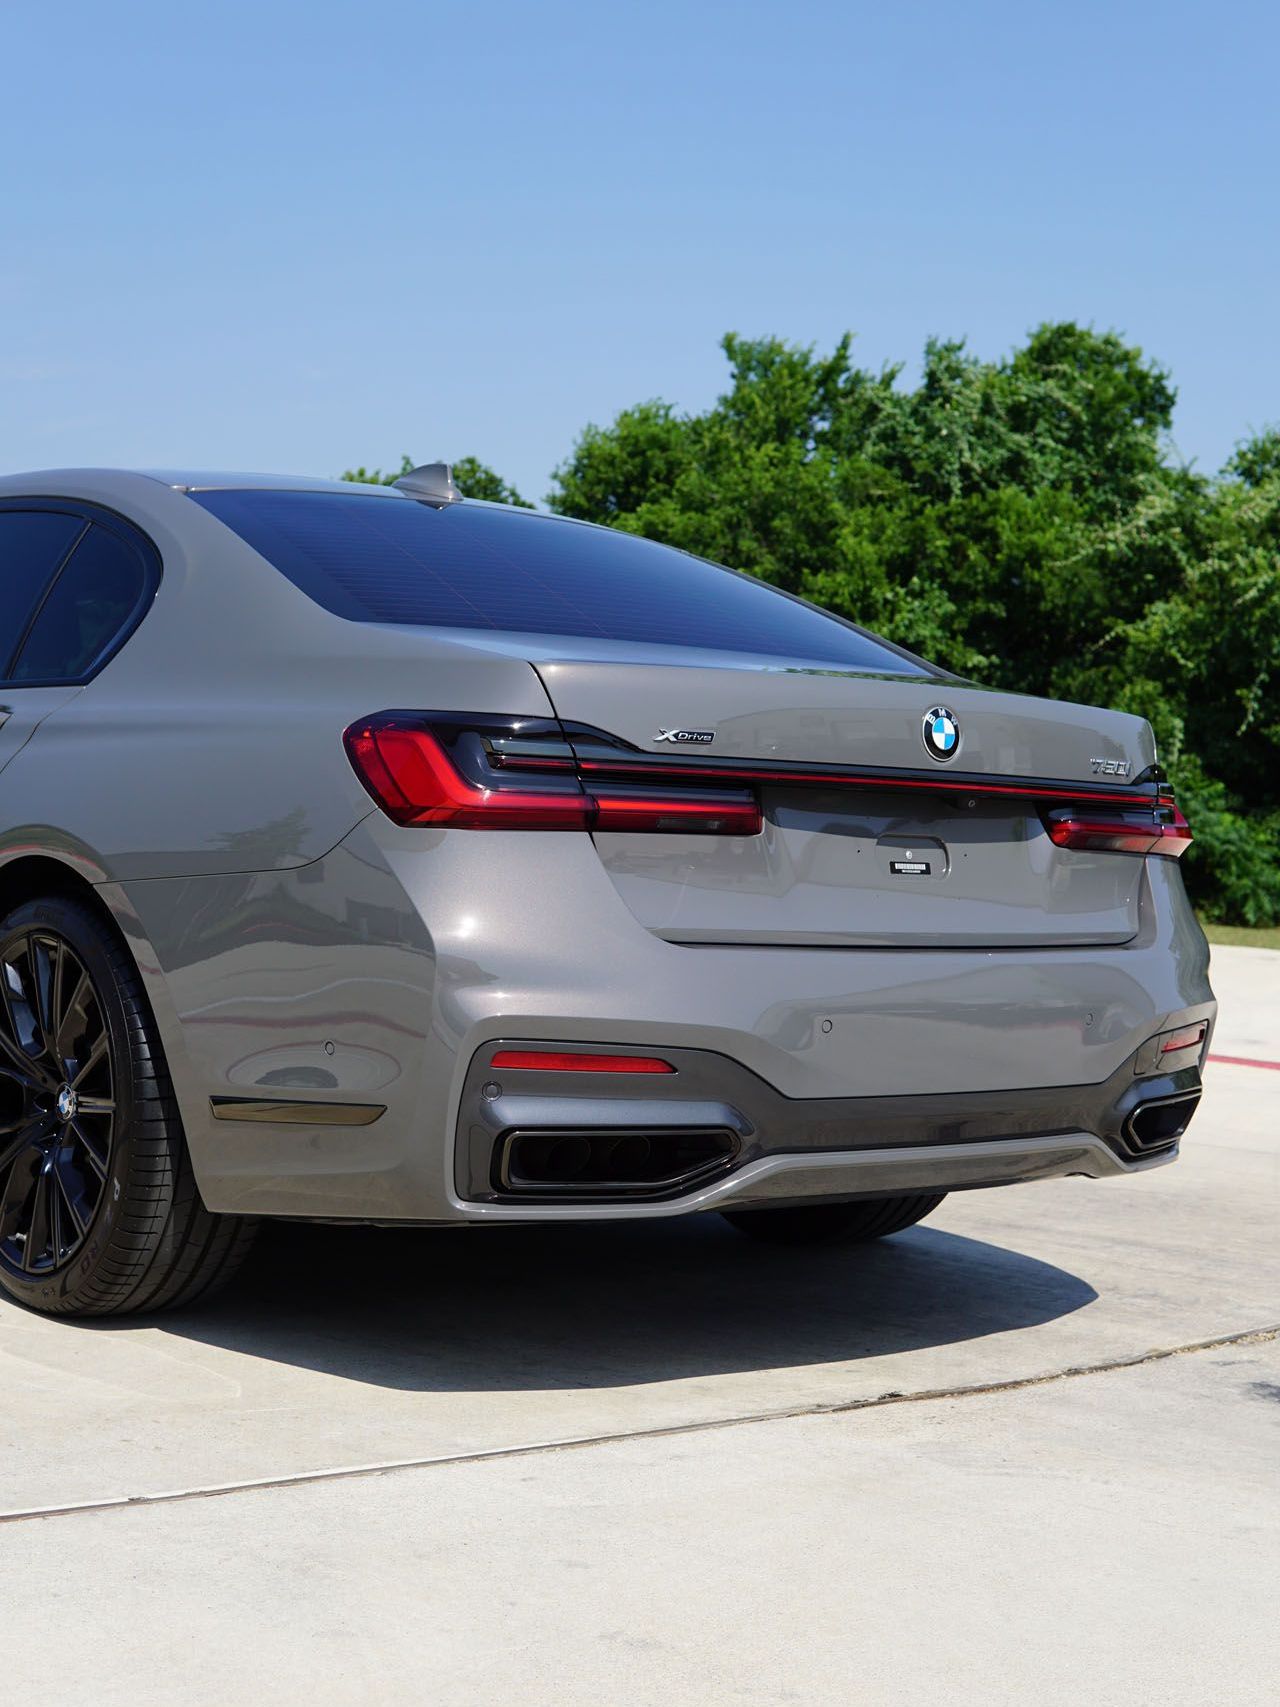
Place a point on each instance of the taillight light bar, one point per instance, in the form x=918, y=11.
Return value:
x=484, y=772
x=471, y=774
x=674, y=815
x=561, y=1061
x=753, y=773
x=1165, y=832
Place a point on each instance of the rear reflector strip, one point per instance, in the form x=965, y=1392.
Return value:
x=1188, y=1038
x=552, y=1061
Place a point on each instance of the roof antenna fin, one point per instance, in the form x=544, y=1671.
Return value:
x=432, y=483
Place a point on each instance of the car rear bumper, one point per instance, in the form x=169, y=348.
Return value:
x=536, y=1143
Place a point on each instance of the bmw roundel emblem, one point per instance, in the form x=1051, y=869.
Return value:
x=941, y=733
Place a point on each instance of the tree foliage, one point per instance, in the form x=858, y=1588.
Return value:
x=1019, y=522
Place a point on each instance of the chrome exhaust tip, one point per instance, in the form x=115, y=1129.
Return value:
x=1158, y=1124
x=610, y=1163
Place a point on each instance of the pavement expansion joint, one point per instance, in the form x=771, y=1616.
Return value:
x=839, y=1407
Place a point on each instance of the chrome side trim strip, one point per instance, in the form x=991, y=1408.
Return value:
x=275, y=1112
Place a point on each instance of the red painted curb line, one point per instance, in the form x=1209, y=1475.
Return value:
x=1244, y=1061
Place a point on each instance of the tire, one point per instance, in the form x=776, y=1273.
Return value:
x=834, y=1223
x=99, y=1211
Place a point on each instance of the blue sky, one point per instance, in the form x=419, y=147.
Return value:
x=294, y=237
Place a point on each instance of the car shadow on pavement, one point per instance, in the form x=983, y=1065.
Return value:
x=508, y=1309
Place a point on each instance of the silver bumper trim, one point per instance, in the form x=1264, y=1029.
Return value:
x=792, y=1178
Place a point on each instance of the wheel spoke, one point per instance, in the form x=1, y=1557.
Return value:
x=91, y=1060
x=73, y=1019
x=45, y=957
x=55, y=1001
x=17, y=992
x=38, y=1229
x=96, y=1158
x=54, y=1197
x=28, y=1138
x=96, y=1105
x=71, y=1191
x=21, y=1066
x=19, y=1121
x=23, y=1077
x=17, y=1190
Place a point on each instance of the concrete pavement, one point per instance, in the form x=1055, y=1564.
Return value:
x=1107, y=1536
x=1108, y=1539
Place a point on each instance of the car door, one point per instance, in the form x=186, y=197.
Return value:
x=36, y=539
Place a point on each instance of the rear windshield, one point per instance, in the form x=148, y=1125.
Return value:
x=375, y=559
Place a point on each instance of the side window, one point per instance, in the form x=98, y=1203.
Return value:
x=98, y=594
x=32, y=544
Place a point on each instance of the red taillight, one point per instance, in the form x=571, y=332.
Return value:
x=1166, y=832
x=1175, y=835
x=553, y=1061
x=466, y=774
x=408, y=773
x=1187, y=1038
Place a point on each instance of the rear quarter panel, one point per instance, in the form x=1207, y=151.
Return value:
x=213, y=741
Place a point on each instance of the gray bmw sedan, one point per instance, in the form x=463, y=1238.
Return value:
x=369, y=854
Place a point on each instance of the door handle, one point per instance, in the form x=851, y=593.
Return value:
x=6, y=712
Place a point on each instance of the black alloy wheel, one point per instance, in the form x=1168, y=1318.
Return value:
x=57, y=1102
x=100, y=1213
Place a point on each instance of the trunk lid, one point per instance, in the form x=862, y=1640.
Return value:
x=942, y=842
